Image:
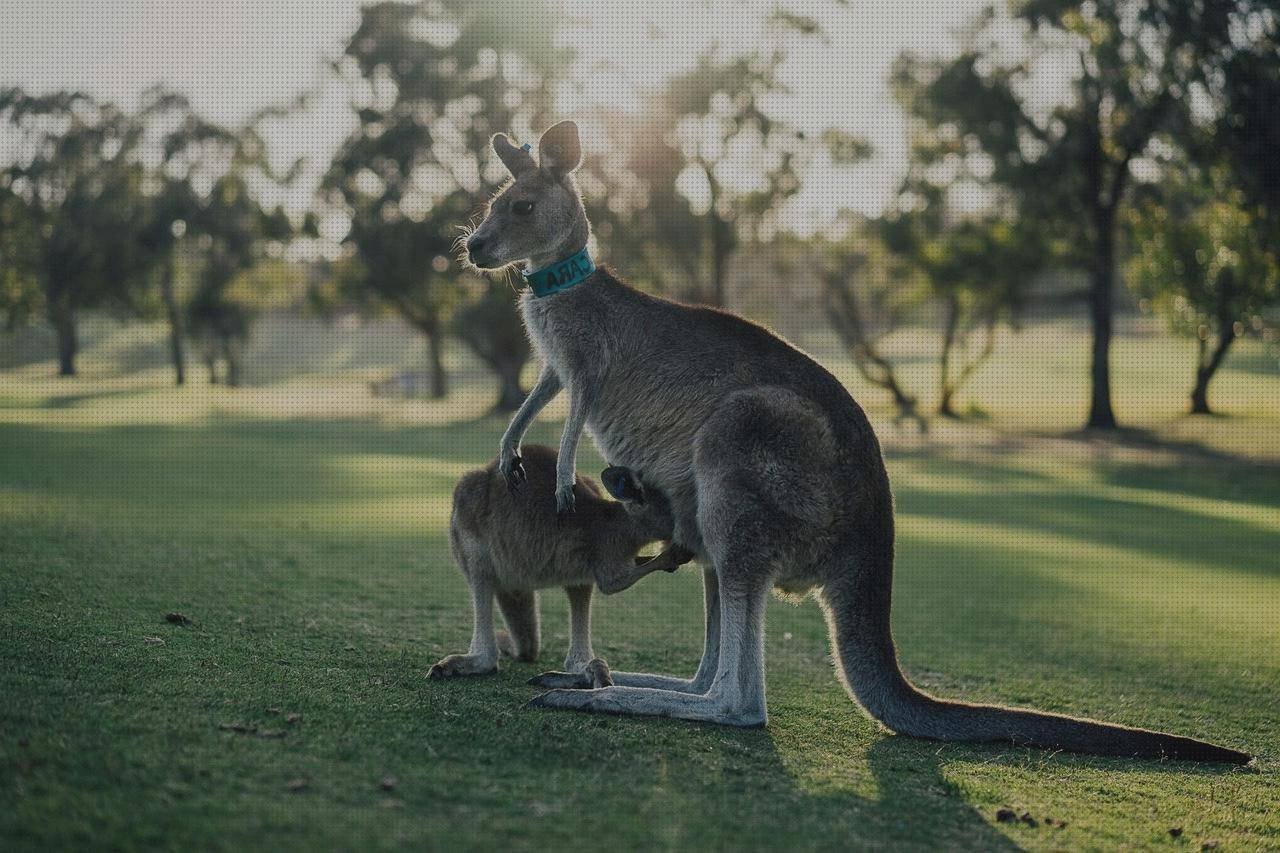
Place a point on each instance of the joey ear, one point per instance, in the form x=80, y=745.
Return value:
x=559, y=150
x=622, y=484
x=517, y=160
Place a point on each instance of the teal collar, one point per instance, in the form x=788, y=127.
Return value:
x=561, y=275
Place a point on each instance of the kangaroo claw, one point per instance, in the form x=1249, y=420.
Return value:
x=514, y=474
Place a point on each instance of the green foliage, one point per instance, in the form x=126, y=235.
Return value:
x=1199, y=257
x=21, y=296
x=432, y=82
x=83, y=195
x=1137, y=69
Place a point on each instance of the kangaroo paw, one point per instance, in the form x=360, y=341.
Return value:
x=563, y=680
x=598, y=672
x=459, y=665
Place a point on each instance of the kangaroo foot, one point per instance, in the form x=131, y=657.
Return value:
x=596, y=674
x=459, y=665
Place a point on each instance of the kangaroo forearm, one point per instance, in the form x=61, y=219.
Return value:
x=623, y=574
x=546, y=388
x=579, y=407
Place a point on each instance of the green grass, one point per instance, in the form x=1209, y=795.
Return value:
x=302, y=528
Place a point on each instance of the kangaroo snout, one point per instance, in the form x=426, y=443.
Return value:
x=476, y=252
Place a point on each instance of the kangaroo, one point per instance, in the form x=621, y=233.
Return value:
x=510, y=545
x=774, y=476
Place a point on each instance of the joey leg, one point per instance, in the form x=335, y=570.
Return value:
x=482, y=658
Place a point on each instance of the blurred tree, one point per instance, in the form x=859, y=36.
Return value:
x=73, y=172
x=716, y=163
x=1129, y=67
x=431, y=82
x=180, y=150
x=1200, y=257
x=1247, y=126
x=21, y=297
x=871, y=293
x=235, y=233
x=978, y=270
x=495, y=333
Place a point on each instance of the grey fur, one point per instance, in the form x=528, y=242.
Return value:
x=774, y=475
x=509, y=545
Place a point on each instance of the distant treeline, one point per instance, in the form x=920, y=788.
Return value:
x=1155, y=170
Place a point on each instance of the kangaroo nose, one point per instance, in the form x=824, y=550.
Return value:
x=475, y=246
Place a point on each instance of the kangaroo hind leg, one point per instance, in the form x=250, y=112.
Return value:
x=520, y=612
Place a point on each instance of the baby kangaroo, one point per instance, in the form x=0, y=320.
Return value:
x=510, y=544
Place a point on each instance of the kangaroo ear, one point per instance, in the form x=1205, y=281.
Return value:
x=622, y=484
x=559, y=150
x=517, y=160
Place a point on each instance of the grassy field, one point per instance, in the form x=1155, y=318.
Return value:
x=300, y=526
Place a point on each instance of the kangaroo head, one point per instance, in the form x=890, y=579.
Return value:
x=649, y=509
x=538, y=216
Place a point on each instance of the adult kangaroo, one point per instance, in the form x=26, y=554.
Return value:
x=773, y=472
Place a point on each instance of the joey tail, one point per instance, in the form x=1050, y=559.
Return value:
x=857, y=608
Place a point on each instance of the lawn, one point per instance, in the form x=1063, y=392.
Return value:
x=301, y=528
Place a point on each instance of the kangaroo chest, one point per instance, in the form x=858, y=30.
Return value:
x=640, y=418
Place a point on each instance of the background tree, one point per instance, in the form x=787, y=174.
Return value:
x=495, y=333
x=235, y=233
x=1200, y=257
x=978, y=272
x=1068, y=160
x=21, y=297
x=82, y=192
x=870, y=293
x=717, y=162
x=180, y=150
x=431, y=82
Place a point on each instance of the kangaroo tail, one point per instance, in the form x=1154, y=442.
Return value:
x=857, y=607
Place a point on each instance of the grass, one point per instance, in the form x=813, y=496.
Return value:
x=301, y=527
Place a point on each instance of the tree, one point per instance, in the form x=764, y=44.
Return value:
x=1132, y=65
x=431, y=81
x=1200, y=258
x=977, y=268
x=871, y=293
x=20, y=294
x=717, y=162
x=82, y=191
x=235, y=234
x=495, y=333
x=181, y=150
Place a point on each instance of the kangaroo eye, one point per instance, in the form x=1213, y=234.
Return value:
x=522, y=208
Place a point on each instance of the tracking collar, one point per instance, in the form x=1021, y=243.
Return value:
x=562, y=275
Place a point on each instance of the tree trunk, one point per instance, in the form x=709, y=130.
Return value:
x=1101, y=313
x=510, y=394
x=947, y=391
x=233, y=363
x=1205, y=370
x=64, y=325
x=435, y=354
x=175, y=323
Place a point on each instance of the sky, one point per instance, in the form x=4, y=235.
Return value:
x=233, y=57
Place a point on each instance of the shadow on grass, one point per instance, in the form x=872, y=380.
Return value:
x=1031, y=501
